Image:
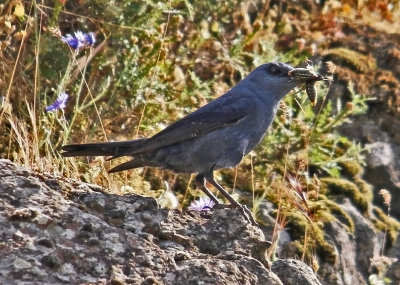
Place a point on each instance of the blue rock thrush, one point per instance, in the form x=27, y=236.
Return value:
x=217, y=135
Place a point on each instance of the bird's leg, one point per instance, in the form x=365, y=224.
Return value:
x=245, y=211
x=201, y=184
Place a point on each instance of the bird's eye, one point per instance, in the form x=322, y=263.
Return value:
x=274, y=69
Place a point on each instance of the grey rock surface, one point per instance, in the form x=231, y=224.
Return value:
x=383, y=163
x=59, y=231
x=393, y=272
x=291, y=271
x=366, y=239
x=344, y=270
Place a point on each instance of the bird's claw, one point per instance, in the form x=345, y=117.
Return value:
x=246, y=213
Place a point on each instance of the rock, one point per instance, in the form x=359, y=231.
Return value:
x=60, y=231
x=383, y=171
x=343, y=271
x=393, y=272
x=367, y=239
x=380, y=154
x=294, y=272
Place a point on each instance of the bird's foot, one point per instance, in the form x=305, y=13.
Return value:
x=246, y=213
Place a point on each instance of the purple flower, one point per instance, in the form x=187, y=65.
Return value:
x=80, y=36
x=59, y=103
x=90, y=38
x=71, y=41
x=202, y=204
x=79, y=39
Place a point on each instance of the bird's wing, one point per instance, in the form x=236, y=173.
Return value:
x=216, y=115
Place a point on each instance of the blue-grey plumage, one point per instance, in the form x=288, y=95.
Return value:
x=214, y=136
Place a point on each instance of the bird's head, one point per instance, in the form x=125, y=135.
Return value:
x=277, y=78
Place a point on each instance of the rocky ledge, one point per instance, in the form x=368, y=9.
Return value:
x=56, y=231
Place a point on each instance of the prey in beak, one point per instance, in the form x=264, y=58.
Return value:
x=309, y=77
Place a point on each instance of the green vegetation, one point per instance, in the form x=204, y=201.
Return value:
x=154, y=62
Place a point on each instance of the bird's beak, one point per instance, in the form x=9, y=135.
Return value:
x=305, y=75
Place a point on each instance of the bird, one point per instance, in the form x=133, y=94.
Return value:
x=215, y=136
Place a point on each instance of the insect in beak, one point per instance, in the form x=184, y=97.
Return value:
x=309, y=77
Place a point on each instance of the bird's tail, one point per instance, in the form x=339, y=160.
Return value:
x=114, y=149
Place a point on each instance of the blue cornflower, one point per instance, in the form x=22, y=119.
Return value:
x=79, y=39
x=80, y=36
x=60, y=103
x=71, y=41
x=202, y=204
x=90, y=38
